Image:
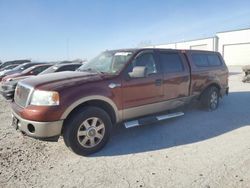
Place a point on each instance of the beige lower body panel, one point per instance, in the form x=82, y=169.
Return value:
x=42, y=129
x=148, y=109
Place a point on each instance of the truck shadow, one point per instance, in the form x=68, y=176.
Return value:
x=195, y=126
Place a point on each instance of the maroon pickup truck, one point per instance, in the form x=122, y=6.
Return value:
x=129, y=86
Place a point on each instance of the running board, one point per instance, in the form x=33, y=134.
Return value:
x=151, y=119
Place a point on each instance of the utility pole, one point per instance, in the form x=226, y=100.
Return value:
x=67, y=48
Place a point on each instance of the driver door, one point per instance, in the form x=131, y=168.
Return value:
x=139, y=93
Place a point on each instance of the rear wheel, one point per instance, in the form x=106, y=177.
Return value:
x=87, y=131
x=210, y=98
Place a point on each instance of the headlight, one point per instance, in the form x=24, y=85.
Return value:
x=45, y=98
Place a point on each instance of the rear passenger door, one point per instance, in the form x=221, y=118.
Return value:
x=176, y=74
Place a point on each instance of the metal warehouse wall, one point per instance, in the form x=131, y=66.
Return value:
x=200, y=44
x=233, y=45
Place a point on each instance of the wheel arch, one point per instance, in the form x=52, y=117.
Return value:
x=213, y=84
x=98, y=101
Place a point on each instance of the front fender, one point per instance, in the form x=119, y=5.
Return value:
x=89, y=98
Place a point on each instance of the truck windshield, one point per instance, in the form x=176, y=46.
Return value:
x=110, y=62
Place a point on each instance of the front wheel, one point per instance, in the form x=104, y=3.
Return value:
x=210, y=98
x=87, y=131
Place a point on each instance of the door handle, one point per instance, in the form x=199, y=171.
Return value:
x=158, y=82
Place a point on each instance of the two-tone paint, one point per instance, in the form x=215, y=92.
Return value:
x=123, y=97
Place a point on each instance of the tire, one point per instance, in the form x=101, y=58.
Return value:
x=87, y=131
x=210, y=98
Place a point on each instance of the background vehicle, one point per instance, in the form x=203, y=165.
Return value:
x=18, y=69
x=7, y=63
x=61, y=68
x=34, y=70
x=73, y=61
x=8, y=87
x=135, y=87
x=246, y=70
x=9, y=67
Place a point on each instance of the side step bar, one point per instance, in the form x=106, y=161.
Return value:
x=151, y=119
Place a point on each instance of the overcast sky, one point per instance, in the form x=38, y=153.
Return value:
x=61, y=29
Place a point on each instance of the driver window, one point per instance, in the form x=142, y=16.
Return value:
x=146, y=60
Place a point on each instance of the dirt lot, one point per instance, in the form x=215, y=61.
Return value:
x=200, y=149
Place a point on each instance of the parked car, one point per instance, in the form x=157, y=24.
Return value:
x=8, y=88
x=9, y=67
x=73, y=61
x=246, y=70
x=129, y=87
x=34, y=70
x=18, y=69
x=7, y=63
x=61, y=68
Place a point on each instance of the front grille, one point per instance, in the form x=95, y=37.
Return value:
x=21, y=95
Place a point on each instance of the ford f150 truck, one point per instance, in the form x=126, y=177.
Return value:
x=129, y=86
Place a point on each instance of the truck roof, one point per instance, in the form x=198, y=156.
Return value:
x=169, y=49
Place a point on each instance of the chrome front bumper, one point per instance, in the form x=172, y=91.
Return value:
x=36, y=129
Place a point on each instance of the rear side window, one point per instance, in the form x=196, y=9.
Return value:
x=214, y=60
x=206, y=60
x=200, y=60
x=171, y=62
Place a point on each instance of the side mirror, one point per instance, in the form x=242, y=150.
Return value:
x=138, y=72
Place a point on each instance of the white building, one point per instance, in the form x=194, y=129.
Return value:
x=233, y=45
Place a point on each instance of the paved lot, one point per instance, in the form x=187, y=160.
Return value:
x=200, y=149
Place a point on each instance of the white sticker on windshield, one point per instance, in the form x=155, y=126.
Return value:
x=122, y=53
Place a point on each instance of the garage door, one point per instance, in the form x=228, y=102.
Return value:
x=237, y=54
x=199, y=47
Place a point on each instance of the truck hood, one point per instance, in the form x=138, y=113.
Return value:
x=56, y=81
x=14, y=79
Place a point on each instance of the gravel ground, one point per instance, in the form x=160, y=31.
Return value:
x=200, y=149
